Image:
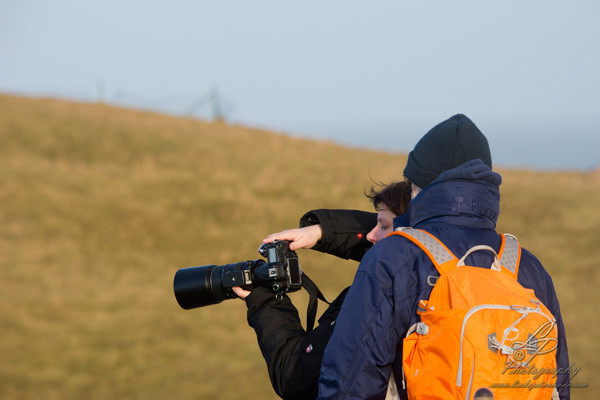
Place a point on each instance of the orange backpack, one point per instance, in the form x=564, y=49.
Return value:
x=482, y=335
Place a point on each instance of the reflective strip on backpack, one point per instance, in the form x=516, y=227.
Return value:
x=439, y=253
x=510, y=253
x=510, y=250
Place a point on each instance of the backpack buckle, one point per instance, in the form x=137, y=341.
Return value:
x=432, y=280
x=422, y=328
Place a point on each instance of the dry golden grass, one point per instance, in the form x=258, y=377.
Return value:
x=100, y=207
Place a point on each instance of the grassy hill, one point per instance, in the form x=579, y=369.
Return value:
x=101, y=205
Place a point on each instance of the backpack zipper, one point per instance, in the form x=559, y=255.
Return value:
x=471, y=380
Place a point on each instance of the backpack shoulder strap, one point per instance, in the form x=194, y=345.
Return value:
x=440, y=255
x=443, y=259
x=510, y=255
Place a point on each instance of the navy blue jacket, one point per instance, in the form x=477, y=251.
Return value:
x=460, y=208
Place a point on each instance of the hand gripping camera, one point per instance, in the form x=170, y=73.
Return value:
x=211, y=284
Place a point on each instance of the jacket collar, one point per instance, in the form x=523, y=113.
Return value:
x=468, y=195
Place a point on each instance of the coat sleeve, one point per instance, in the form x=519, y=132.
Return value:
x=562, y=356
x=538, y=279
x=563, y=380
x=293, y=356
x=357, y=361
x=344, y=231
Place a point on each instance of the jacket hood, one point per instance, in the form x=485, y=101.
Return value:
x=467, y=195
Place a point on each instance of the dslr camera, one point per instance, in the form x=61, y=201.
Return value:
x=211, y=284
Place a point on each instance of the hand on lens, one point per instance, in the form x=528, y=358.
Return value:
x=241, y=293
x=300, y=238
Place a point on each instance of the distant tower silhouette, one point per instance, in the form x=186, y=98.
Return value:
x=100, y=91
x=211, y=97
x=215, y=102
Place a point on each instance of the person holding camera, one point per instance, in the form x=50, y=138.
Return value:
x=292, y=354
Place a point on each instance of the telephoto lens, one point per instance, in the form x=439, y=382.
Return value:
x=211, y=284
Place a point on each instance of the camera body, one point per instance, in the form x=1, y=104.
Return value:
x=211, y=284
x=282, y=266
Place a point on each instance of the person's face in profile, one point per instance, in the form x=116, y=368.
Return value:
x=385, y=224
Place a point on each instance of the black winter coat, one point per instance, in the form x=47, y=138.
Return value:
x=294, y=356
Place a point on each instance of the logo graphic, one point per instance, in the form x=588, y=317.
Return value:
x=469, y=206
x=519, y=352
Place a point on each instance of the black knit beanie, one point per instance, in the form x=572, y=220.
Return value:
x=447, y=145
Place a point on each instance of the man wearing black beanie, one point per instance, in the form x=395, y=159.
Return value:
x=456, y=198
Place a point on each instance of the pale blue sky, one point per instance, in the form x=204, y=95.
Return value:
x=376, y=73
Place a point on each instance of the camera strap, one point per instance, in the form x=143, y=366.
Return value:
x=314, y=294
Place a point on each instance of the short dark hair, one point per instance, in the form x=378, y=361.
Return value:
x=395, y=196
